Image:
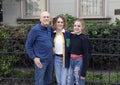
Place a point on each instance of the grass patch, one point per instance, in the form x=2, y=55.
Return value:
x=106, y=77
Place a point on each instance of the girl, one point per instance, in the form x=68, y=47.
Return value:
x=80, y=50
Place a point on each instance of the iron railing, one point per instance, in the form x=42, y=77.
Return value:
x=17, y=69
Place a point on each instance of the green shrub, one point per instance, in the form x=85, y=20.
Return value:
x=12, y=39
x=6, y=63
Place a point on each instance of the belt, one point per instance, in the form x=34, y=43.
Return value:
x=74, y=56
x=60, y=55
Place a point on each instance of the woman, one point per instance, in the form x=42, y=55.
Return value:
x=61, y=49
x=80, y=50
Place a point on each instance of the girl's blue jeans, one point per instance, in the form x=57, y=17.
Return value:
x=74, y=73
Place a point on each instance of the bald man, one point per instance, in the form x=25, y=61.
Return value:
x=39, y=48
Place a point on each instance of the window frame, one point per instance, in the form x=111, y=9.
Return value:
x=23, y=10
x=103, y=14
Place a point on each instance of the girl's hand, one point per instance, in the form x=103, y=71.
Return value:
x=83, y=78
x=73, y=32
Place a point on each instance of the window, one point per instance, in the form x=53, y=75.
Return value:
x=32, y=8
x=91, y=8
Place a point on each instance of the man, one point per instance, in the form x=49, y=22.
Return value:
x=39, y=48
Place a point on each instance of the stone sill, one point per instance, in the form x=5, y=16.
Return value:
x=28, y=21
x=98, y=19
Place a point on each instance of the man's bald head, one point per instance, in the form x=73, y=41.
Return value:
x=44, y=13
x=45, y=18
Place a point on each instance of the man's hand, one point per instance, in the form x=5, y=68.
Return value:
x=37, y=62
x=53, y=50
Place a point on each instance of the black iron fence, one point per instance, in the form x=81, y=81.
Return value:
x=104, y=68
x=17, y=69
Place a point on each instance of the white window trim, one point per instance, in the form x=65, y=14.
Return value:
x=106, y=9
